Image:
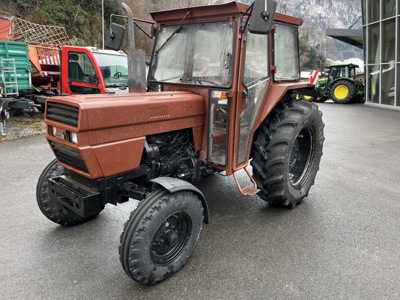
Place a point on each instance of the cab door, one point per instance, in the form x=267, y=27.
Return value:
x=80, y=72
x=253, y=82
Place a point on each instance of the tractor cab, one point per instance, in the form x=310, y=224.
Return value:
x=221, y=55
x=340, y=71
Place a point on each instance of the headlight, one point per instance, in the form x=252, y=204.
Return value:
x=73, y=137
x=52, y=130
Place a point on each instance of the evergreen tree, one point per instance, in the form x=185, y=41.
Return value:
x=311, y=58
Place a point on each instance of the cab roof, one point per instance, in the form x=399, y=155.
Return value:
x=200, y=12
x=343, y=65
x=211, y=13
x=106, y=51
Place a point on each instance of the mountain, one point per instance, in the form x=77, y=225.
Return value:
x=318, y=15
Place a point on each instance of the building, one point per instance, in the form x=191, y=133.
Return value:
x=381, y=31
x=380, y=39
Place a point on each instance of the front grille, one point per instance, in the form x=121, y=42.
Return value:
x=69, y=156
x=63, y=113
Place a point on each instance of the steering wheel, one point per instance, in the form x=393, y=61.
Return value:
x=117, y=75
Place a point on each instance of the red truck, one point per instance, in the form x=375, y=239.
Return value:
x=77, y=70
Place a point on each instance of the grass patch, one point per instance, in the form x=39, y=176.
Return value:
x=35, y=126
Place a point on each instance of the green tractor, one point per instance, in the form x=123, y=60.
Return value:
x=340, y=84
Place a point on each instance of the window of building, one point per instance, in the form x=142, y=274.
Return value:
x=387, y=83
x=388, y=8
x=373, y=11
x=364, y=11
x=373, y=44
x=396, y=91
x=398, y=39
x=373, y=73
x=388, y=40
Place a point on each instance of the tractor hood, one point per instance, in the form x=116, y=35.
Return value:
x=117, y=117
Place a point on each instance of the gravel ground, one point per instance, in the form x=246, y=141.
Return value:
x=21, y=126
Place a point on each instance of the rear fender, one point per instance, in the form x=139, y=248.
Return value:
x=174, y=185
x=309, y=91
x=281, y=92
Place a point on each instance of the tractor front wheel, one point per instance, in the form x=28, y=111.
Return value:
x=343, y=91
x=287, y=151
x=53, y=210
x=160, y=235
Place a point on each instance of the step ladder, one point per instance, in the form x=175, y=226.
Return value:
x=8, y=77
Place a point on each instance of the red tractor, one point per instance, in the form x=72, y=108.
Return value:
x=220, y=95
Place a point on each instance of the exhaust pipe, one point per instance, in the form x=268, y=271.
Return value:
x=136, y=58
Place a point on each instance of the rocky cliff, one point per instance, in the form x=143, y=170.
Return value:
x=318, y=15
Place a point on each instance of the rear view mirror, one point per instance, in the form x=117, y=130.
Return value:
x=115, y=37
x=262, y=16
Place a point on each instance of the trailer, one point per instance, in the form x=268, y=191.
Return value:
x=15, y=82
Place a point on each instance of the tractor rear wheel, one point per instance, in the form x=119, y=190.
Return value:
x=160, y=235
x=287, y=152
x=51, y=209
x=343, y=91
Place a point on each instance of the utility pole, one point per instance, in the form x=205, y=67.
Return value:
x=102, y=22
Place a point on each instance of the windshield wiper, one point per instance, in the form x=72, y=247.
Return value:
x=175, y=31
x=155, y=55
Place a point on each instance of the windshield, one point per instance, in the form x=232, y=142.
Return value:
x=114, y=69
x=197, y=54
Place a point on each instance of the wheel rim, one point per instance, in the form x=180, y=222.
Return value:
x=170, y=238
x=308, y=98
x=301, y=157
x=341, y=92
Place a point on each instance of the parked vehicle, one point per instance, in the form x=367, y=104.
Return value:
x=86, y=70
x=48, y=66
x=15, y=82
x=220, y=95
x=340, y=84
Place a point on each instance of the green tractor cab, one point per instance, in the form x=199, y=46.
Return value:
x=339, y=83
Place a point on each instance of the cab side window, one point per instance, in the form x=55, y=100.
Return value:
x=80, y=68
x=82, y=77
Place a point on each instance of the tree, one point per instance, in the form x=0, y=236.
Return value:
x=81, y=18
x=311, y=58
